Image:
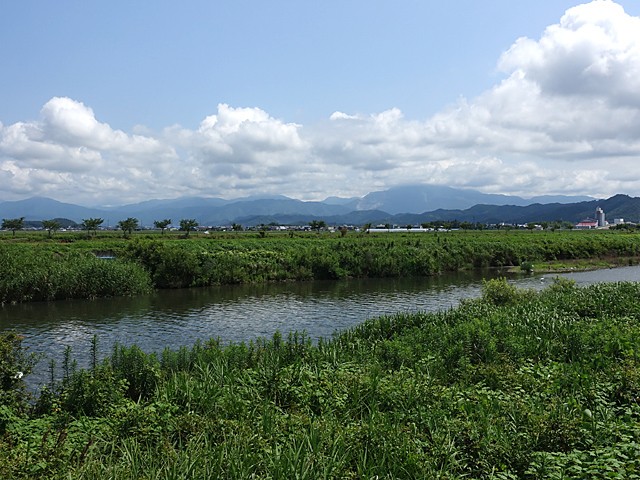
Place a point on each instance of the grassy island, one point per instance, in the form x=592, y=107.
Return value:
x=35, y=267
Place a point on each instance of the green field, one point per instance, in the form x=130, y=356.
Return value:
x=513, y=385
x=34, y=267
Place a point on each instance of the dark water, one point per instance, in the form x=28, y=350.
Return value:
x=173, y=318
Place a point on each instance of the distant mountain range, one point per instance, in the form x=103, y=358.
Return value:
x=427, y=198
x=401, y=205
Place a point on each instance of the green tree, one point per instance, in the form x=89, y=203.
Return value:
x=91, y=225
x=51, y=226
x=128, y=225
x=317, y=225
x=366, y=227
x=236, y=227
x=188, y=224
x=13, y=224
x=162, y=224
x=467, y=226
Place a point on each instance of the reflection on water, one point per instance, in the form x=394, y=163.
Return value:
x=173, y=318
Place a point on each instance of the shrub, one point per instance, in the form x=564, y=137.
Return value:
x=500, y=292
x=526, y=267
x=15, y=363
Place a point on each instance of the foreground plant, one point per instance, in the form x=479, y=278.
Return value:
x=513, y=385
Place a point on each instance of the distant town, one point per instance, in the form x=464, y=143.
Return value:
x=129, y=225
x=416, y=209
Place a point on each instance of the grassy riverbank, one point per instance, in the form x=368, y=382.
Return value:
x=580, y=265
x=513, y=385
x=36, y=268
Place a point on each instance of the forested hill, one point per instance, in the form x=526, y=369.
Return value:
x=618, y=206
x=286, y=211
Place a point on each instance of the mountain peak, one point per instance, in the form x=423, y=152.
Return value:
x=409, y=199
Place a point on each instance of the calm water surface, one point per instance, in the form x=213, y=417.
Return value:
x=173, y=318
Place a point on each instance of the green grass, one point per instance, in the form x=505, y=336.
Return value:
x=36, y=274
x=515, y=384
x=36, y=268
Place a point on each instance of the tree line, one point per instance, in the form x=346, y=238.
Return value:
x=92, y=225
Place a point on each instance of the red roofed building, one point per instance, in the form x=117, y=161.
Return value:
x=587, y=223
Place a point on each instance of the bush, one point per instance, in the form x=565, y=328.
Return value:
x=526, y=267
x=31, y=276
x=500, y=292
x=15, y=363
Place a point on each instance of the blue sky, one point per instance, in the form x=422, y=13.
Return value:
x=114, y=102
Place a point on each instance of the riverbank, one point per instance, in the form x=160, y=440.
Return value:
x=76, y=268
x=515, y=384
x=569, y=266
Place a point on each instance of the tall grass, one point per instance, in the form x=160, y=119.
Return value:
x=32, y=275
x=515, y=384
x=243, y=260
x=68, y=268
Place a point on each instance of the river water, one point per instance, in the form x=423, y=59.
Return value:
x=174, y=318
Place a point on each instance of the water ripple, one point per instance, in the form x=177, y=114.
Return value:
x=174, y=318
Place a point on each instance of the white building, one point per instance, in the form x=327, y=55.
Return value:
x=600, y=217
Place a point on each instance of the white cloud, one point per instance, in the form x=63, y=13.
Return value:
x=68, y=154
x=240, y=150
x=564, y=119
x=571, y=96
x=593, y=52
x=337, y=116
x=568, y=104
x=27, y=145
x=249, y=132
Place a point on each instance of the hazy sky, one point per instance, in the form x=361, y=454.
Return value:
x=121, y=101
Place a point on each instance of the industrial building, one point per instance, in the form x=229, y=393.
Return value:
x=598, y=222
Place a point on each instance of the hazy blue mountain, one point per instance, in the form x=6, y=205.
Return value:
x=544, y=199
x=424, y=198
x=427, y=198
x=341, y=201
x=182, y=202
x=42, y=208
x=412, y=201
x=618, y=206
x=234, y=212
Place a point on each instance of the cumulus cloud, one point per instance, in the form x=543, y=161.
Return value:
x=593, y=52
x=559, y=100
x=240, y=151
x=67, y=153
x=564, y=119
x=250, y=133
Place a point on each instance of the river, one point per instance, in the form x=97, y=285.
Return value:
x=174, y=318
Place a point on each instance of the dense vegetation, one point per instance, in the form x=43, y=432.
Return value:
x=31, y=272
x=513, y=385
x=38, y=268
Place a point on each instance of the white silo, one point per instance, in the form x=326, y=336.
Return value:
x=600, y=217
